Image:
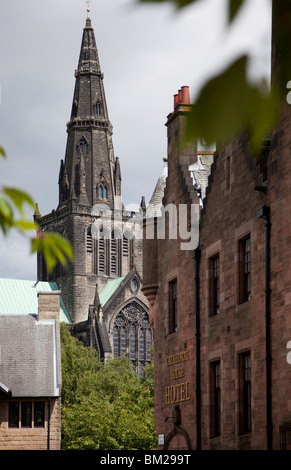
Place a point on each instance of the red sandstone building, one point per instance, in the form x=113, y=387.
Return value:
x=221, y=310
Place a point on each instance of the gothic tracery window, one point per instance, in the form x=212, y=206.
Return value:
x=132, y=336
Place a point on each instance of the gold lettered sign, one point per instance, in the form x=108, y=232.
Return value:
x=178, y=392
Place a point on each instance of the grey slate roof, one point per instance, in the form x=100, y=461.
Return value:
x=156, y=201
x=28, y=360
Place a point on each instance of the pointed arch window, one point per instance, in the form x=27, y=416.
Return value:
x=83, y=146
x=132, y=335
x=97, y=108
x=102, y=191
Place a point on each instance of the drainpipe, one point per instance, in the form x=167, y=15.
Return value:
x=49, y=425
x=197, y=335
x=264, y=213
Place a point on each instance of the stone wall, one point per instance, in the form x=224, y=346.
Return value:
x=33, y=438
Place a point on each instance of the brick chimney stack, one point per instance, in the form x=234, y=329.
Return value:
x=182, y=97
x=49, y=305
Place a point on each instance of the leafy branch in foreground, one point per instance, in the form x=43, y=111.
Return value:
x=229, y=103
x=53, y=246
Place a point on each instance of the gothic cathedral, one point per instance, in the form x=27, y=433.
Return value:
x=102, y=288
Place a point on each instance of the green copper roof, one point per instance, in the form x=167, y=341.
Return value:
x=109, y=289
x=18, y=297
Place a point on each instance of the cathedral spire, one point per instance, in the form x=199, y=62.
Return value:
x=86, y=103
x=89, y=151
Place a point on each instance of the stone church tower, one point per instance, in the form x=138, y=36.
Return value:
x=102, y=288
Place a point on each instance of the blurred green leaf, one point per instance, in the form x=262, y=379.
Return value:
x=2, y=152
x=54, y=248
x=18, y=197
x=233, y=9
x=228, y=105
x=25, y=225
x=6, y=215
x=281, y=32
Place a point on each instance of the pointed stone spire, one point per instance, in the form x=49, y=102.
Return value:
x=89, y=130
x=84, y=103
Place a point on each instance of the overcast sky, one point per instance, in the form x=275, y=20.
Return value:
x=146, y=54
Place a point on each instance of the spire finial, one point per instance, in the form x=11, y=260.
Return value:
x=88, y=7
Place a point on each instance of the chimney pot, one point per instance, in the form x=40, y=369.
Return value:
x=185, y=95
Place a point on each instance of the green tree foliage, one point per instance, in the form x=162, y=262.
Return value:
x=229, y=103
x=104, y=406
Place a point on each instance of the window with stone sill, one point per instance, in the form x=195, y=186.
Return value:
x=26, y=414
